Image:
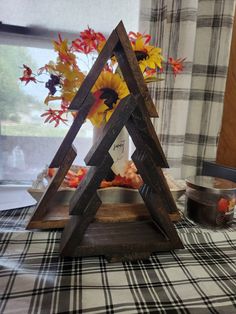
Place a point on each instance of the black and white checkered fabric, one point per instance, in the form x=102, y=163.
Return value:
x=201, y=278
x=190, y=105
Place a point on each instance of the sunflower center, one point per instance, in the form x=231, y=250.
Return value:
x=110, y=96
x=141, y=55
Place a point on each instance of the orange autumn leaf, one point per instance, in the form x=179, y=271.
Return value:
x=51, y=172
x=176, y=65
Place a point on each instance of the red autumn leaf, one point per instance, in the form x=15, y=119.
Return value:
x=73, y=183
x=176, y=65
x=118, y=181
x=134, y=36
x=92, y=38
x=54, y=116
x=223, y=205
x=27, y=75
x=89, y=41
x=81, y=46
x=73, y=179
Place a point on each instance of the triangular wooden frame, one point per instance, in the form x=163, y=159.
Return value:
x=120, y=240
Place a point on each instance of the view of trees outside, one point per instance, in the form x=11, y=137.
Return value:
x=21, y=105
x=13, y=100
x=27, y=144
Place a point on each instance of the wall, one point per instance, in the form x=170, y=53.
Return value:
x=226, y=152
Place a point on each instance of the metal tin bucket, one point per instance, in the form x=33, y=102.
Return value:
x=210, y=201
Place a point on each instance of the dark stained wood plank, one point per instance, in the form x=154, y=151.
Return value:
x=143, y=134
x=83, y=235
x=93, y=74
x=111, y=130
x=77, y=225
x=45, y=201
x=226, y=147
x=89, y=185
x=57, y=215
x=122, y=212
x=123, y=241
x=159, y=215
x=72, y=132
x=130, y=69
x=139, y=141
x=153, y=176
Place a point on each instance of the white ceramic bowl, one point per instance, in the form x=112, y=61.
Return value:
x=107, y=195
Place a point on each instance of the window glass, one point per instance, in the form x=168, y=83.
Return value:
x=27, y=144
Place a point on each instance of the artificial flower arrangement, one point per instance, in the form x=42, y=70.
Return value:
x=110, y=87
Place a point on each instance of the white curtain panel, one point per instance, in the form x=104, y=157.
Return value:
x=190, y=106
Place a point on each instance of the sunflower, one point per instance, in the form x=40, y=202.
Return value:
x=108, y=90
x=148, y=56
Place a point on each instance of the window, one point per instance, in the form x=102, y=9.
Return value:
x=27, y=144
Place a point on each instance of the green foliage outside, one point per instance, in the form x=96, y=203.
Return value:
x=12, y=99
x=14, y=102
x=16, y=106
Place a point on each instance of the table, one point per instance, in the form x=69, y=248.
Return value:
x=201, y=278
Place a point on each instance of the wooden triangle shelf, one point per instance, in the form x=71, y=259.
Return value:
x=83, y=236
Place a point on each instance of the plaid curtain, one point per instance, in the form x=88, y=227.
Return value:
x=190, y=106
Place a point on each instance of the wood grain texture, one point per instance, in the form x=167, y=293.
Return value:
x=83, y=234
x=44, y=204
x=117, y=241
x=122, y=212
x=159, y=215
x=77, y=225
x=143, y=134
x=96, y=69
x=154, y=177
x=57, y=215
x=89, y=185
x=127, y=212
x=130, y=69
x=226, y=150
x=73, y=131
x=111, y=131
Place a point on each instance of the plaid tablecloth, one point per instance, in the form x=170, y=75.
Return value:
x=201, y=278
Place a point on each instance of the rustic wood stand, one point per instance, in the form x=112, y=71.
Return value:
x=83, y=236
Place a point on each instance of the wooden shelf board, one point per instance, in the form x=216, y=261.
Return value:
x=58, y=215
x=121, y=241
